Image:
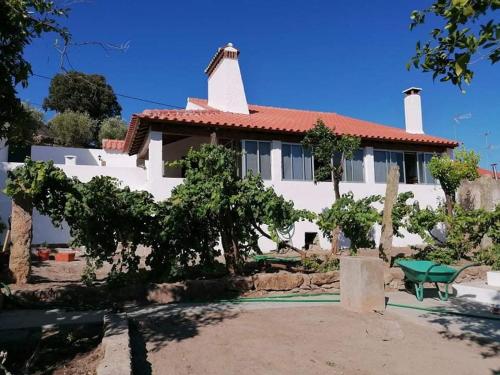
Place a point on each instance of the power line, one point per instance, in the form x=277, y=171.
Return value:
x=123, y=95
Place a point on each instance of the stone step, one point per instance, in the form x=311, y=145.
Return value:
x=478, y=291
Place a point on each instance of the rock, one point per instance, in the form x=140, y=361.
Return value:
x=278, y=281
x=165, y=293
x=205, y=289
x=307, y=282
x=473, y=273
x=325, y=278
x=239, y=283
x=334, y=285
x=397, y=273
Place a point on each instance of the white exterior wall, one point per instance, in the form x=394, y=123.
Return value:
x=305, y=194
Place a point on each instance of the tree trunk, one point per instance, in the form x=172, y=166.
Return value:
x=336, y=231
x=449, y=204
x=391, y=192
x=21, y=236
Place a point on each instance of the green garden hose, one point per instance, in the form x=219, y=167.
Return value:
x=287, y=298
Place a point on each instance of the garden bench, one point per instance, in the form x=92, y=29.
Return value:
x=422, y=271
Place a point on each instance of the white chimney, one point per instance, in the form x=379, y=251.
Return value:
x=225, y=86
x=413, y=111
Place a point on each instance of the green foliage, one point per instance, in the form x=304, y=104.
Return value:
x=466, y=230
x=451, y=172
x=401, y=212
x=354, y=217
x=315, y=264
x=219, y=204
x=324, y=144
x=468, y=28
x=102, y=215
x=72, y=129
x=5, y=290
x=489, y=257
x=20, y=23
x=112, y=128
x=80, y=92
x=21, y=131
x=42, y=184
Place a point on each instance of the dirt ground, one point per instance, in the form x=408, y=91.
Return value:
x=302, y=340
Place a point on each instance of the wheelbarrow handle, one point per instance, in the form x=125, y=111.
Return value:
x=429, y=270
x=455, y=275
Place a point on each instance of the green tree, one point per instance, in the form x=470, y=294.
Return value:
x=451, y=172
x=35, y=184
x=80, y=92
x=72, y=129
x=355, y=218
x=330, y=153
x=112, y=128
x=20, y=23
x=467, y=29
x=233, y=209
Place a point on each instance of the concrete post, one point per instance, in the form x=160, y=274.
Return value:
x=276, y=172
x=155, y=164
x=362, y=284
x=369, y=163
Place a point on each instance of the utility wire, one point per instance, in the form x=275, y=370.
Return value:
x=123, y=95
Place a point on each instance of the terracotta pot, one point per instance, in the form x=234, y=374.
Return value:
x=43, y=253
x=65, y=257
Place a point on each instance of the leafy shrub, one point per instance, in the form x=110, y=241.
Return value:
x=72, y=129
x=314, y=263
x=401, y=212
x=112, y=128
x=355, y=218
x=489, y=257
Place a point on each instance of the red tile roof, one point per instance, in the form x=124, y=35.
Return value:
x=272, y=119
x=113, y=144
x=485, y=172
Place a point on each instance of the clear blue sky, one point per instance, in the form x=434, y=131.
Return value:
x=347, y=57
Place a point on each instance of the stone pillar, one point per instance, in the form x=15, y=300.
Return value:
x=362, y=284
x=369, y=166
x=155, y=152
x=276, y=172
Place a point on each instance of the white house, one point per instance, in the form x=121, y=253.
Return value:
x=269, y=139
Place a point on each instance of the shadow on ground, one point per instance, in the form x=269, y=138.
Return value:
x=162, y=324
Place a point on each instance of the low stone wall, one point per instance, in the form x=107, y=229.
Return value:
x=79, y=296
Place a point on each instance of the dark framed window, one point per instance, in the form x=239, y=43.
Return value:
x=297, y=162
x=257, y=158
x=354, y=169
x=413, y=166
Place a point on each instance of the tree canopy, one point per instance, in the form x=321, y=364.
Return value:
x=112, y=128
x=451, y=172
x=72, y=129
x=20, y=23
x=468, y=32
x=80, y=92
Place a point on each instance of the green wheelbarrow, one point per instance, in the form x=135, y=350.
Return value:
x=426, y=271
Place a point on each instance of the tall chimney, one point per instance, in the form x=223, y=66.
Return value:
x=413, y=111
x=225, y=86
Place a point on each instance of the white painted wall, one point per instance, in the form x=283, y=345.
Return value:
x=305, y=194
x=84, y=156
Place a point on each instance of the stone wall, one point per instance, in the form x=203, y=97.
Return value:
x=482, y=193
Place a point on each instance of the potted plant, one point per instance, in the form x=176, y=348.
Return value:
x=43, y=252
x=65, y=256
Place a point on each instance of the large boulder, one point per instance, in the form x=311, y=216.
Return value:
x=165, y=293
x=325, y=278
x=278, y=281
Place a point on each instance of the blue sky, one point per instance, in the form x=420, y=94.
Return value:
x=347, y=57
